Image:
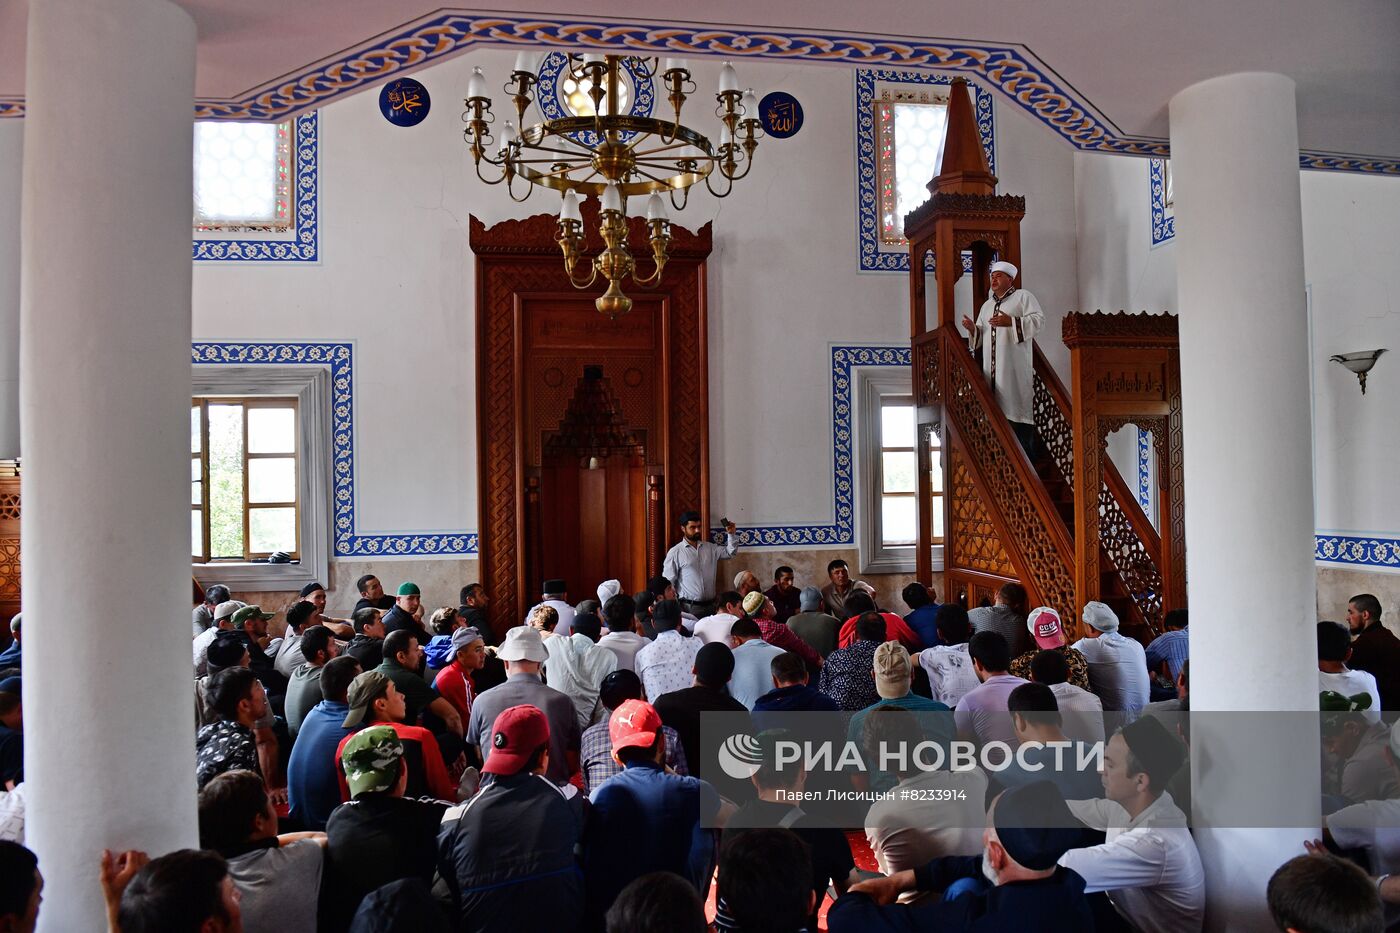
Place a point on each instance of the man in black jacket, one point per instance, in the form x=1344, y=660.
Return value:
x=1374, y=648
x=508, y=853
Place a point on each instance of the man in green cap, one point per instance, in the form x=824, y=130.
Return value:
x=373, y=700
x=250, y=623
x=408, y=609
x=380, y=836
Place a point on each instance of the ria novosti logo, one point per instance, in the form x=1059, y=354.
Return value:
x=740, y=756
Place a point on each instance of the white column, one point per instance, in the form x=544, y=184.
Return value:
x=1248, y=471
x=104, y=407
x=11, y=159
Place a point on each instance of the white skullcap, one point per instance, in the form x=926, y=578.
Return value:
x=1100, y=616
x=607, y=590
x=1006, y=267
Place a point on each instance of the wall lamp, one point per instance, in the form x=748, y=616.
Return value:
x=1359, y=363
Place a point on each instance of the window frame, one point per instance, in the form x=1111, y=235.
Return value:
x=887, y=156
x=286, y=157
x=873, y=387
x=310, y=386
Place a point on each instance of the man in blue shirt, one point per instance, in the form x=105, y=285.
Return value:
x=11, y=656
x=1035, y=716
x=646, y=819
x=923, y=614
x=791, y=692
x=1172, y=647
x=313, y=786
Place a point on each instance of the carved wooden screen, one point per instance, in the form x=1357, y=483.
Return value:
x=522, y=291
x=9, y=545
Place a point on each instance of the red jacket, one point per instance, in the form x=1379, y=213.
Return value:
x=895, y=628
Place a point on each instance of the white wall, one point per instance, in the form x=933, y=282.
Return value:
x=396, y=276
x=11, y=152
x=1351, y=224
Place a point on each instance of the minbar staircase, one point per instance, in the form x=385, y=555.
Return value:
x=1066, y=525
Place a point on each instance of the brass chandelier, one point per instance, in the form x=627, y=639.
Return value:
x=612, y=156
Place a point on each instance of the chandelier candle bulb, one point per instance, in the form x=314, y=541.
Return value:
x=593, y=58
x=750, y=105
x=673, y=64
x=476, y=84
x=656, y=209
x=728, y=79
x=569, y=210
x=527, y=63
x=612, y=200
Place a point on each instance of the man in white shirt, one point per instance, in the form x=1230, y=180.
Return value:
x=948, y=665
x=1333, y=651
x=1005, y=332
x=753, y=662
x=1081, y=712
x=1373, y=825
x=556, y=596
x=1117, y=664
x=667, y=664
x=621, y=637
x=1148, y=862
x=716, y=627
x=691, y=564
x=576, y=667
x=223, y=622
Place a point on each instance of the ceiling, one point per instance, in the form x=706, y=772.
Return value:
x=1122, y=59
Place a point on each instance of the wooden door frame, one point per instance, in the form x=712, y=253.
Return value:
x=518, y=262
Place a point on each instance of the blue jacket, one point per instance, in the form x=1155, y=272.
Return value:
x=313, y=786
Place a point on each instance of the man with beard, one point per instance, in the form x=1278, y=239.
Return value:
x=691, y=564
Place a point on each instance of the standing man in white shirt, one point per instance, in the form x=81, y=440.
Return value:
x=691, y=564
x=1005, y=331
x=556, y=596
x=1117, y=664
x=1148, y=861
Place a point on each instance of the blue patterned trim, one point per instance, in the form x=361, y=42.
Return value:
x=874, y=255
x=1144, y=471
x=11, y=107
x=843, y=530
x=303, y=246
x=1359, y=550
x=339, y=358
x=1018, y=74
x=1163, y=224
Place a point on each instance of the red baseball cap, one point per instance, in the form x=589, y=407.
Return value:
x=515, y=735
x=1045, y=628
x=634, y=724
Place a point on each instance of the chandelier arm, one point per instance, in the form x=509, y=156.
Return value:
x=579, y=154
x=670, y=145
x=748, y=164
x=586, y=283
x=717, y=194
x=488, y=180
x=656, y=178
x=510, y=189
x=685, y=199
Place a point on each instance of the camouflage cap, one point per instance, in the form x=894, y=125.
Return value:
x=371, y=760
x=241, y=617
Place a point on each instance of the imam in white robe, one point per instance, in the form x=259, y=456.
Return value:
x=1009, y=362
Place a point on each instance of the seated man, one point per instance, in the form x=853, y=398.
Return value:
x=860, y=602
x=191, y=884
x=507, y=856
x=791, y=692
x=932, y=813
x=1081, y=712
x=946, y=661
x=831, y=861
x=403, y=658
x=228, y=651
x=1358, y=746
x=250, y=623
x=318, y=646
x=848, y=673
x=753, y=662
x=442, y=623
x=812, y=624
x=1169, y=650
x=683, y=709
x=1029, y=891
x=893, y=679
x=313, y=782
x=577, y=665
x=644, y=819
x=1117, y=664
x=982, y=714
x=380, y=835
x=21, y=888
x=372, y=594
x=465, y=656
x=300, y=620
x=1048, y=634
x=220, y=621
x=1321, y=892
x=760, y=609
x=374, y=700
x=203, y=617
x=1035, y=717
x=367, y=646
x=1148, y=862
x=764, y=884
x=666, y=663
x=716, y=627
x=406, y=613
x=238, y=699
x=597, y=760
x=923, y=612
x=1007, y=617
x=621, y=637
x=279, y=877
x=1333, y=652
x=787, y=599
x=11, y=731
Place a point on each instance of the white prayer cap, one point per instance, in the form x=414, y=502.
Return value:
x=1006, y=267
x=1100, y=616
x=607, y=590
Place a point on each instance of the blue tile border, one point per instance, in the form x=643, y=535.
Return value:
x=304, y=246
x=1355, y=549
x=1144, y=473
x=842, y=531
x=872, y=257
x=339, y=357
x=1163, y=226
